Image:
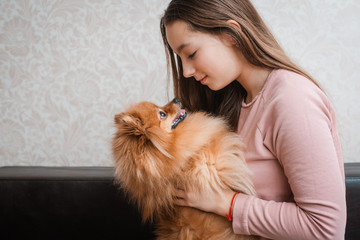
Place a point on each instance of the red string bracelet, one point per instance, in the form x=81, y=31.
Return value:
x=229, y=216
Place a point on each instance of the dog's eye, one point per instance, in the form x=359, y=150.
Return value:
x=162, y=115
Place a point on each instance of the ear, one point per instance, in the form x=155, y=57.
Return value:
x=118, y=118
x=129, y=123
x=124, y=118
x=234, y=24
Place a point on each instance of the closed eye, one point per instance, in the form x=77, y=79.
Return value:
x=192, y=55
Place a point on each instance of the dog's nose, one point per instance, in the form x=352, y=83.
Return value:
x=176, y=101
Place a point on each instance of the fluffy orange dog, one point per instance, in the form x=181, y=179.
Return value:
x=157, y=149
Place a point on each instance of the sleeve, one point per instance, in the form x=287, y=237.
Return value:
x=301, y=137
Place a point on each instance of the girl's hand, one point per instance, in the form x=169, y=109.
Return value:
x=215, y=202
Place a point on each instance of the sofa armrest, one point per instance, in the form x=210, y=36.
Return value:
x=352, y=172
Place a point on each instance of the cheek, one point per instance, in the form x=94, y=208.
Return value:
x=166, y=125
x=216, y=62
x=222, y=73
x=208, y=64
x=228, y=65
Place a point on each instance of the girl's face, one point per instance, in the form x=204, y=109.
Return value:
x=213, y=60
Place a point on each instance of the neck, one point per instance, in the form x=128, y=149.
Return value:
x=253, y=79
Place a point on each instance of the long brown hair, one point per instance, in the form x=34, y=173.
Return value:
x=254, y=40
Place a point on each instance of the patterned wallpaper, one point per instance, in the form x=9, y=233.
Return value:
x=67, y=66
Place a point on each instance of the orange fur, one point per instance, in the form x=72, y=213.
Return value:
x=152, y=160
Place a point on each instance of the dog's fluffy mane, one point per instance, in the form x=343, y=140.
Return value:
x=151, y=162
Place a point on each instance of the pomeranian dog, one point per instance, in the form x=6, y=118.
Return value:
x=159, y=149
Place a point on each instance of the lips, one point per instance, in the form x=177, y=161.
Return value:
x=181, y=115
x=202, y=80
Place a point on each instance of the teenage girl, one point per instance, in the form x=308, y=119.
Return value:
x=224, y=60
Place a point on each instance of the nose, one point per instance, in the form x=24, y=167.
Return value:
x=188, y=69
x=175, y=101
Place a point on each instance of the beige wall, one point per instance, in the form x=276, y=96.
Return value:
x=66, y=67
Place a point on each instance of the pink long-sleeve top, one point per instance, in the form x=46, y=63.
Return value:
x=294, y=153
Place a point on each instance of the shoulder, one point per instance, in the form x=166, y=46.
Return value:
x=291, y=102
x=296, y=116
x=288, y=92
x=283, y=83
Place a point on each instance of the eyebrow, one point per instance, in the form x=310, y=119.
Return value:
x=182, y=46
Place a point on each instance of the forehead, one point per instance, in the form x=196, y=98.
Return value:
x=145, y=109
x=179, y=35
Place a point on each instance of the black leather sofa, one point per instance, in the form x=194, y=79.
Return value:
x=83, y=203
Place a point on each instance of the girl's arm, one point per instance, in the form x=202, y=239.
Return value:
x=303, y=137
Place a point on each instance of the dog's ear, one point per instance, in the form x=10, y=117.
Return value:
x=129, y=123
x=123, y=118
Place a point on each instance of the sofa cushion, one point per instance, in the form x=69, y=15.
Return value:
x=66, y=203
x=83, y=203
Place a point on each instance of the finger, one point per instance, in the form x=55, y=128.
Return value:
x=180, y=193
x=180, y=202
